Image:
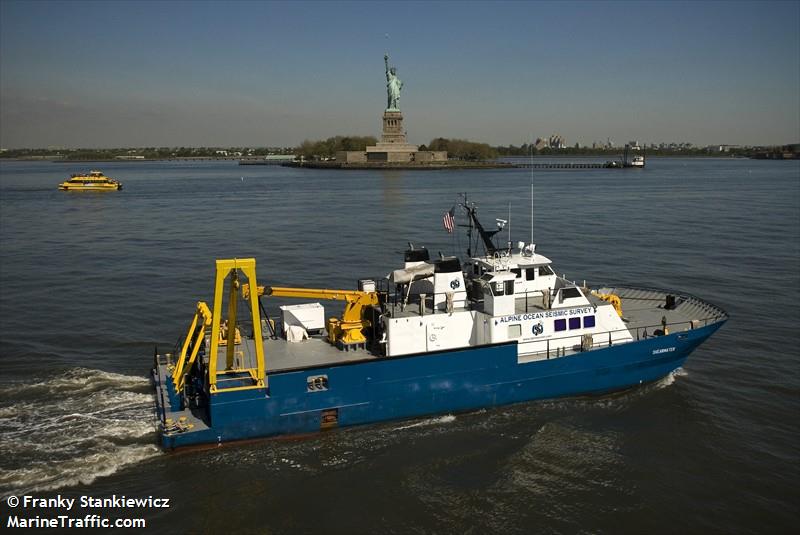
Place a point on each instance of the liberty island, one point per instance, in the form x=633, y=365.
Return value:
x=393, y=150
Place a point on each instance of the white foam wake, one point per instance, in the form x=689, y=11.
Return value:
x=50, y=475
x=446, y=419
x=72, y=428
x=670, y=378
x=74, y=381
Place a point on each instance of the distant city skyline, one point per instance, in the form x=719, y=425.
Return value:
x=144, y=74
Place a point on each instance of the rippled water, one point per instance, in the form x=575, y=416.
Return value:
x=90, y=282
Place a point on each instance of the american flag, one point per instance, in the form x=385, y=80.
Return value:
x=448, y=221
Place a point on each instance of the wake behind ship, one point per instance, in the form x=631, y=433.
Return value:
x=434, y=336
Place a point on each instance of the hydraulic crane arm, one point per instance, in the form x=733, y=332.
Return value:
x=357, y=301
x=346, y=331
x=305, y=293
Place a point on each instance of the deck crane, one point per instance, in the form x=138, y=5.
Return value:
x=349, y=331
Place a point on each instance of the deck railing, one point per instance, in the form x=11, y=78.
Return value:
x=606, y=338
x=396, y=301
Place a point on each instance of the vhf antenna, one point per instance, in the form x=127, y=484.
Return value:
x=530, y=147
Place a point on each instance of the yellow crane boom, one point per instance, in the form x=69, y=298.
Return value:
x=350, y=329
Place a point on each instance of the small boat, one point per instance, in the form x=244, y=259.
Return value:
x=433, y=336
x=93, y=181
x=633, y=157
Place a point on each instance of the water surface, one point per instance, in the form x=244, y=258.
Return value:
x=91, y=282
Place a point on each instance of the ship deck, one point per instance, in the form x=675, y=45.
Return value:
x=644, y=311
x=280, y=355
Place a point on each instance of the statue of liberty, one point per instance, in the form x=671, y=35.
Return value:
x=393, y=86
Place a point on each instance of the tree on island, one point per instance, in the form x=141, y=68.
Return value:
x=462, y=149
x=329, y=147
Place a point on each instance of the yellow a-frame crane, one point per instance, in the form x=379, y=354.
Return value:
x=207, y=320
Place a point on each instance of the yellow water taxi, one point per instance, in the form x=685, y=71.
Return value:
x=93, y=181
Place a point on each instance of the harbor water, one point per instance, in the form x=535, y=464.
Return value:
x=91, y=282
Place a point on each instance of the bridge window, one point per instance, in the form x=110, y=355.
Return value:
x=560, y=325
x=545, y=270
x=515, y=330
x=567, y=293
x=503, y=288
x=530, y=274
x=517, y=272
x=574, y=323
x=588, y=321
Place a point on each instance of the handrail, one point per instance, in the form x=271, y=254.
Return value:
x=682, y=293
x=641, y=333
x=392, y=297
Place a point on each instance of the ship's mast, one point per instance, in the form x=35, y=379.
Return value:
x=485, y=235
x=530, y=146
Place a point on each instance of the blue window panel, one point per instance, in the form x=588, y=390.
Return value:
x=574, y=323
x=561, y=325
x=588, y=321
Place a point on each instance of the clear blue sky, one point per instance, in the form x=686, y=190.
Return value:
x=102, y=74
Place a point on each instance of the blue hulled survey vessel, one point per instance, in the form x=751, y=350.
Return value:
x=434, y=336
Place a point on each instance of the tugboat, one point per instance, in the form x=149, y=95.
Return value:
x=434, y=336
x=93, y=181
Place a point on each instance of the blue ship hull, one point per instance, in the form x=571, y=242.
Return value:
x=393, y=388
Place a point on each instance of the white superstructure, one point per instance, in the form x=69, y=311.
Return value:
x=507, y=296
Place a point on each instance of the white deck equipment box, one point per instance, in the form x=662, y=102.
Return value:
x=309, y=316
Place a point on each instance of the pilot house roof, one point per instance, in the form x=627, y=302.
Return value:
x=514, y=260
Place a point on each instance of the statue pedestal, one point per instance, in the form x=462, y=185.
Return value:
x=393, y=138
x=392, y=149
x=393, y=131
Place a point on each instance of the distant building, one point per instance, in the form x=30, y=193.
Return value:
x=557, y=141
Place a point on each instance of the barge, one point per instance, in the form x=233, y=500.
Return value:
x=434, y=336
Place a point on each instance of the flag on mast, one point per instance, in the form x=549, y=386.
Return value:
x=448, y=220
